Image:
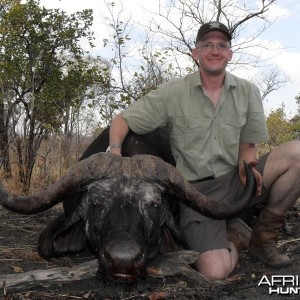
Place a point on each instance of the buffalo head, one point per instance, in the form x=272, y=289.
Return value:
x=119, y=206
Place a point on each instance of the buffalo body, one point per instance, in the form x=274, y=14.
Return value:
x=125, y=209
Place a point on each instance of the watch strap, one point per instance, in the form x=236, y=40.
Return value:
x=113, y=146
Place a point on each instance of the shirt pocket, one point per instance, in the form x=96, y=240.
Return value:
x=232, y=128
x=189, y=132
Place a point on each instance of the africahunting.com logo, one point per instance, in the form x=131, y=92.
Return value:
x=281, y=284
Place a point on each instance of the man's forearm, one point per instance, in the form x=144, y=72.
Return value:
x=117, y=133
x=247, y=153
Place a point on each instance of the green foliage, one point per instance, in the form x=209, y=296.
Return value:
x=298, y=102
x=44, y=75
x=42, y=61
x=295, y=121
x=151, y=67
x=280, y=129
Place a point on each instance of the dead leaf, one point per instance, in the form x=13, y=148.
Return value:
x=157, y=295
x=236, y=277
x=31, y=255
x=18, y=269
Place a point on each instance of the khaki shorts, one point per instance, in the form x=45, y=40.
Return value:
x=202, y=233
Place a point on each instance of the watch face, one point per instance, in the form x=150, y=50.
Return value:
x=108, y=149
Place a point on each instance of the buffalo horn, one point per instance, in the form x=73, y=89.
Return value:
x=145, y=167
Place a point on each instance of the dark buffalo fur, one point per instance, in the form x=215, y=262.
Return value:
x=125, y=222
x=155, y=143
x=122, y=223
x=132, y=219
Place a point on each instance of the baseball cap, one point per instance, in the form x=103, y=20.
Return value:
x=213, y=26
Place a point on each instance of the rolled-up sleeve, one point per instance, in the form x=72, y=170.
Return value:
x=255, y=130
x=149, y=112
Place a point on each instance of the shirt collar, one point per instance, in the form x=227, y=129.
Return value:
x=228, y=82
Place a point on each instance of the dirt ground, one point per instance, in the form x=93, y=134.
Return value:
x=18, y=240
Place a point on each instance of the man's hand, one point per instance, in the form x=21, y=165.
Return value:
x=257, y=176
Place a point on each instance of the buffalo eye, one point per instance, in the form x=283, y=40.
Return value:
x=149, y=197
x=150, y=205
x=155, y=205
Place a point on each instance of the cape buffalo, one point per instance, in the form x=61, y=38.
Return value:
x=125, y=209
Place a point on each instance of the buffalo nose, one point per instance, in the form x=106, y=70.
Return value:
x=123, y=256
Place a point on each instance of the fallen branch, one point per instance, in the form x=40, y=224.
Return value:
x=46, y=278
x=169, y=264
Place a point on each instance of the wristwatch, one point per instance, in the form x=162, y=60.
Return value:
x=113, y=146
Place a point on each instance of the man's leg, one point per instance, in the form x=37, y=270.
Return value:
x=281, y=177
x=218, y=245
x=218, y=257
x=217, y=264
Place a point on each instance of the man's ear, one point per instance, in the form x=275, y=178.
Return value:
x=195, y=54
x=230, y=55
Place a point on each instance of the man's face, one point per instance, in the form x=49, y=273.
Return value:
x=213, y=53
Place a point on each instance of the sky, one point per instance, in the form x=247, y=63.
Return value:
x=283, y=34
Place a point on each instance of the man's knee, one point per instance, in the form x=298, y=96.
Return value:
x=293, y=150
x=289, y=160
x=215, y=274
x=290, y=151
x=216, y=264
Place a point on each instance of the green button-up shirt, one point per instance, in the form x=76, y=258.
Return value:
x=204, y=139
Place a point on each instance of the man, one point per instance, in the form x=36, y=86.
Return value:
x=215, y=120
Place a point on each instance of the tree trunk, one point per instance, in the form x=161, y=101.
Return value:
x=4, y=148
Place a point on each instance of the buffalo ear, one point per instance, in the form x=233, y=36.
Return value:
x=71, y=236
x=70, y=221
x=71, y=240
x=46, y=239
x=171, y=213
x=171, y=239
x=75, y=209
